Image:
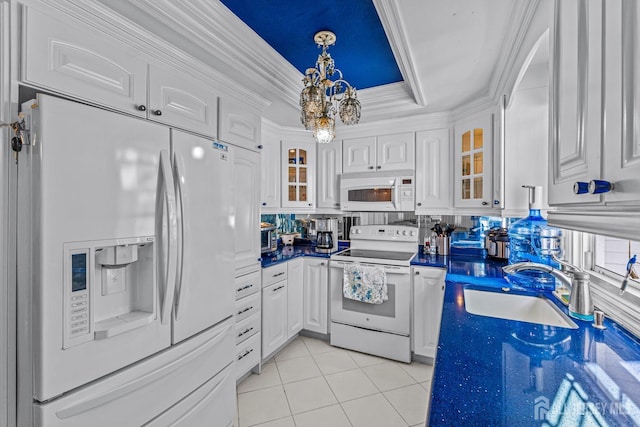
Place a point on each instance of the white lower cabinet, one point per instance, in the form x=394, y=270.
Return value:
x=294, y=296
x=248, y=323
x=316, y=295
x=428, y=296
x=274, y=317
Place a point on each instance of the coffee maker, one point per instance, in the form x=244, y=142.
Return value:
x=326, y=235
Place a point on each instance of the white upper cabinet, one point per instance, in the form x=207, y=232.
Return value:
x=239, y=125
x=596, y=103
x=395, y=152
x=473, y=162
x=386, y=153
x=246, y=181
x=621, y=163
x=359, y=154
x=328, y=173
x=433, y=173
x=270, y=182
x=576, y=100
x=179, y=100
x=75, y=60
x=298, y=173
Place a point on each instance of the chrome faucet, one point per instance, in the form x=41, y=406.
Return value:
x=576, y=279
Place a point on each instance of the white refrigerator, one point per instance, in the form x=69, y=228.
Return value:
x=125, y=272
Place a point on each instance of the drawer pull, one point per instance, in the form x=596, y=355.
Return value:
x=279, y=274
x=245, y=310
x=246, y=331
x=278, y=288
x=244, y=288
x=245, y=354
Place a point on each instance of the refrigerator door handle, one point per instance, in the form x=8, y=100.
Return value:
x=166, y=200
x=182, y=199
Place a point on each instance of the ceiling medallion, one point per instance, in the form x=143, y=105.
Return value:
x=325, y=93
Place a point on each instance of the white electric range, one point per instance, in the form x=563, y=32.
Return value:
x=381, y=329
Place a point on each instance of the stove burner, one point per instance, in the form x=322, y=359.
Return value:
x=376, y=255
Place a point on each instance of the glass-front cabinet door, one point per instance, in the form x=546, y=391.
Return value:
x=298, y=168
x=473, y=163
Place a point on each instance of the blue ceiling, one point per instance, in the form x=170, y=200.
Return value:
x=361, y=52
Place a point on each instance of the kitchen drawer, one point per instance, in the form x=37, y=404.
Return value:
x=247, y=284
x=248, y=355
x=276, y=273
x=247, y=307
x=248, y=327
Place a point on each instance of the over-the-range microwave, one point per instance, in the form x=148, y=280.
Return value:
x=391, y=191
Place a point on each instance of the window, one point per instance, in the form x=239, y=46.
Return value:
x=612, y=256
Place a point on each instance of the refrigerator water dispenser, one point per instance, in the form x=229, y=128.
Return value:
x=110, y=288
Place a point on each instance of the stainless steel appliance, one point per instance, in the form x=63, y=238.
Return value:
x=324, y=242
x=268, y=237
x=326, y=235
x=497, y=243
x=391, y=191
x=380, y=329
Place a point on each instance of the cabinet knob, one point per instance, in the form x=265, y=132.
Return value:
x=485, y=203
x=264, y=203
x=322, y=263
x=370, y=167
x=141, y=108
x=337, y=205
x=310, y=204
x=496, y=202
x=580, y=187
x=378, y=167
x=597, y=186
x=260, y=147
x=417, y=273
x=156, y=112
x=419, y=203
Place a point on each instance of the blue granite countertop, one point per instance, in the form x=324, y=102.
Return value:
x=496, y=372
x=287, y=253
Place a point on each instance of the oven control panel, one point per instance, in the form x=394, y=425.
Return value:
x=403, y=233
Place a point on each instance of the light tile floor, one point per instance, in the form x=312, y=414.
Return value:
x=310, y=383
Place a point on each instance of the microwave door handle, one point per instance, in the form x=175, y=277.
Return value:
x=395, y=198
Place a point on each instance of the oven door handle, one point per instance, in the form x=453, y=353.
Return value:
x=389, y=269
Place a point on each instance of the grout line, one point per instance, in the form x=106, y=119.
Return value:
x=361, y=368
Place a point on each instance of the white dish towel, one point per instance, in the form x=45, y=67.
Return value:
x=365, y=283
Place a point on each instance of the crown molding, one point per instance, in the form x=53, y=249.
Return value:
x=215, y=29
x=380, y=102
x=396, y=34
x=520, y=21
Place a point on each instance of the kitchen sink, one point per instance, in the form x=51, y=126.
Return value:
x=524, y=308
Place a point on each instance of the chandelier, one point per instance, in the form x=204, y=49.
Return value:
x=325, y=93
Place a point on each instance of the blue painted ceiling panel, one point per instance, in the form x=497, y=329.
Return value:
x=361, y=52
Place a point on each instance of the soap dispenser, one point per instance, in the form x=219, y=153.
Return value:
x=531, y=239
